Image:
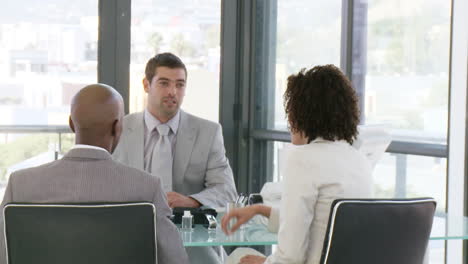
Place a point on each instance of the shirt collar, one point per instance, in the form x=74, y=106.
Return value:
x=322, y=140
x=83, y=146
x=319, y=139
x=151, y=122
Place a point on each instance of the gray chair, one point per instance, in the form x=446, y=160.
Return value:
x=80, y=233
x=369, y=231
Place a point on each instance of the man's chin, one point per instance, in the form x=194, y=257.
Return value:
x=171, y=112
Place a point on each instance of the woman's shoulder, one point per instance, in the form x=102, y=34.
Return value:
x=323, y=155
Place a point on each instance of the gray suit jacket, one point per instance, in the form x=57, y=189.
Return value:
x=90, y=175
x=200, y=167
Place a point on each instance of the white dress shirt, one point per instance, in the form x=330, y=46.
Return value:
x=150, y=141
x=84, y=146
x=315, y=174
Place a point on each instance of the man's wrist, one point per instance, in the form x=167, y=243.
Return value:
x=195, y=202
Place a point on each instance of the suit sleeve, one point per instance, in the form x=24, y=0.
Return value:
x=169, y=245
x=7, y=198
x=219, y=182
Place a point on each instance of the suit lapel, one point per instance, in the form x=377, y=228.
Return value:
x=135, y=144
x=186, y=135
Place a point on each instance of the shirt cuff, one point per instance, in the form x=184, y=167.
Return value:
x=196, y=198
x=273, y=220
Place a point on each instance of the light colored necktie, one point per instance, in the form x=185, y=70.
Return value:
x=161, y=160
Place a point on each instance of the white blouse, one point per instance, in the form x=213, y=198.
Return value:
x=314, y=175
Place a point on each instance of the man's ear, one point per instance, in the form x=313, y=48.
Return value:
x=116, y=128
x=146, y=84
x=70, y=123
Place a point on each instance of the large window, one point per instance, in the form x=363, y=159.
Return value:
x=190, y=30
x=288, y=36
x=403, y=58
x=397, y=53
x=302, y=40
x=408, y=44
x=48, y=51
x=406, y=91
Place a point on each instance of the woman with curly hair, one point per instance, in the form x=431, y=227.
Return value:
x=321, y=166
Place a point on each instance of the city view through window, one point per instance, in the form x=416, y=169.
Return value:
x=48, y=51
x=406, y=80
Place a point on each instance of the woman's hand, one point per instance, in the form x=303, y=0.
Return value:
x=252, y=259
x=242, y=215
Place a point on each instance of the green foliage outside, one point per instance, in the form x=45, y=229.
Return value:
x=29, y=146
x=181, y=46
x=388, y=193
x=212, y=36
x=155, y=40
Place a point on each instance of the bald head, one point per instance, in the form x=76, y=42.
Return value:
x=96, y=116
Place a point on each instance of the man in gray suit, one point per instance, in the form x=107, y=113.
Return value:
x=188, y=153
x=199, y=172
x=87, y=172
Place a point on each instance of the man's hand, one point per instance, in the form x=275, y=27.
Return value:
x=178, y=200
x=252, y=259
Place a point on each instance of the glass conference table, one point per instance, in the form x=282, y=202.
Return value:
x=254, y=234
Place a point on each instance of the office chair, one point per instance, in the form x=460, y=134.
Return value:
x=371, y=231
x=80, y=233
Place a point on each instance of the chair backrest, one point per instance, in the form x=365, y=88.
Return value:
x=369, y=231
x=80, y=233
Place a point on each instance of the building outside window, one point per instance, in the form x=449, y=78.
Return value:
x=48, y=51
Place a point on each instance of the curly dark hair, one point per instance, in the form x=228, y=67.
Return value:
x=166, y=59
x=321, y=102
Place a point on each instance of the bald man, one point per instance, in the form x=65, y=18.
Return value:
x=87, y=172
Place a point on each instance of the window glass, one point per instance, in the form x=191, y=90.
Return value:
x=407, y=68
x=308, y=33
x=21, y=151
x=48, y=51
x=400, y=175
